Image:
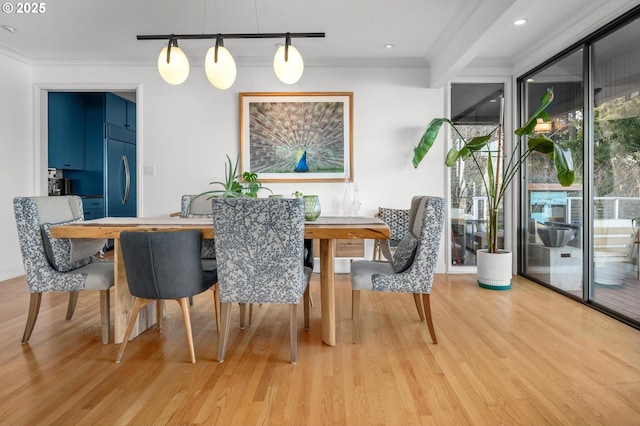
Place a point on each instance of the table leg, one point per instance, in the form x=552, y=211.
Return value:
x=124, y=301
x=327, y=292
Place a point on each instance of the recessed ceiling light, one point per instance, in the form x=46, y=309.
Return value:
x=493, y=100
x=8, y=28
x=530, y=80
x=520, y=21
x=388, y=46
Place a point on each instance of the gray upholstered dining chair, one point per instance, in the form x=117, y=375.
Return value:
x=163, y=266
x=260, y=252
x=413, y=266
x=59, y=264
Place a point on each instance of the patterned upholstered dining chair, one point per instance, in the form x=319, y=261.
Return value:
x=398, y=222
x=193, y=206
x=200, y=207
x=413, y=266
x=260, y=252
x=59, y=264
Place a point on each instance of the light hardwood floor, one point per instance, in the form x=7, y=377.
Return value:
x=524, y=356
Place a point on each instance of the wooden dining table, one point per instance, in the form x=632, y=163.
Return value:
x=327, y=229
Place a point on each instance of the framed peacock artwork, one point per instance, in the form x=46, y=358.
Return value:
x=297, y=136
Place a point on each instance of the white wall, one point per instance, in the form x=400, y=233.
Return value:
x=389, y=111
x=16, y=160
x=185, y=131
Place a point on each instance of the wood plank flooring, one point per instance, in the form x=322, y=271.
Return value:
x=524, y=356
x=621, y=294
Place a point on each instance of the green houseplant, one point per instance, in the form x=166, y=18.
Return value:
x=232, y=186
x=500, y=168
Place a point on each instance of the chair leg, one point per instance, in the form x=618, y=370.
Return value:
x=137, y=304
x=427, y=310
x=159, y=314
x=105, y=315
x=216, y=305
x=34, y=308
x=306, y=300
x=243, y=315
x=225, y=308
x=293, y=331
x=184, y=305
x=355, y=313
x=73, y=300
x=418, y=300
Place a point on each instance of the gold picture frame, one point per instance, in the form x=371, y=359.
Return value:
x=297, y=136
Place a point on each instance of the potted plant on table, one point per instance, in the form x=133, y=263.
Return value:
x=232, y=186
x=498, y=169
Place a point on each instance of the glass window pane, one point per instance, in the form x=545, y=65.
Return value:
x=617, y=170
x=554, y=225
x=475, y=110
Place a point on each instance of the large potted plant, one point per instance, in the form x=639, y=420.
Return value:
x=498, y=169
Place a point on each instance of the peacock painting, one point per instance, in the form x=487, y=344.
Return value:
x=301, y=162
x=296, y=137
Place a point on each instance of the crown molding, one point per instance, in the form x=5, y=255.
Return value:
x=14, y=54
x=244, y=61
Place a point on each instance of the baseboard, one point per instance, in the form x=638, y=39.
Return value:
x=5, y=274
x=341, y=265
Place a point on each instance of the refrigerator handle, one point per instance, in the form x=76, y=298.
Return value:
x=127, y=180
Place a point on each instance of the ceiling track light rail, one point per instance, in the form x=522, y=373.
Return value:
x=229, y=36
x=220, y=66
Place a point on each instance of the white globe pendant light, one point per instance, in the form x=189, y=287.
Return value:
x=174, y=69
x=220, y=66
x=287, y=63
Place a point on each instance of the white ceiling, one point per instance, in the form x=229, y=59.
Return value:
x=443, y=35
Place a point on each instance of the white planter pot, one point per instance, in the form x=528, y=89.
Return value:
x=494, y=269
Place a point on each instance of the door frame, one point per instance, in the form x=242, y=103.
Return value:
x=510, y=209
x=41, y=139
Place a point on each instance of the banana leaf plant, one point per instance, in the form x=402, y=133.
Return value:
x=498, y=173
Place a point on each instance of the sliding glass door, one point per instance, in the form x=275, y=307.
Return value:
x=554, y=249
x=583, y=240
x=615, y=62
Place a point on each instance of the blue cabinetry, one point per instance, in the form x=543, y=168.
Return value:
x=110, y=172
x=66, y=131
x=131, y=116
x=120, y=111
x=93, y=207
